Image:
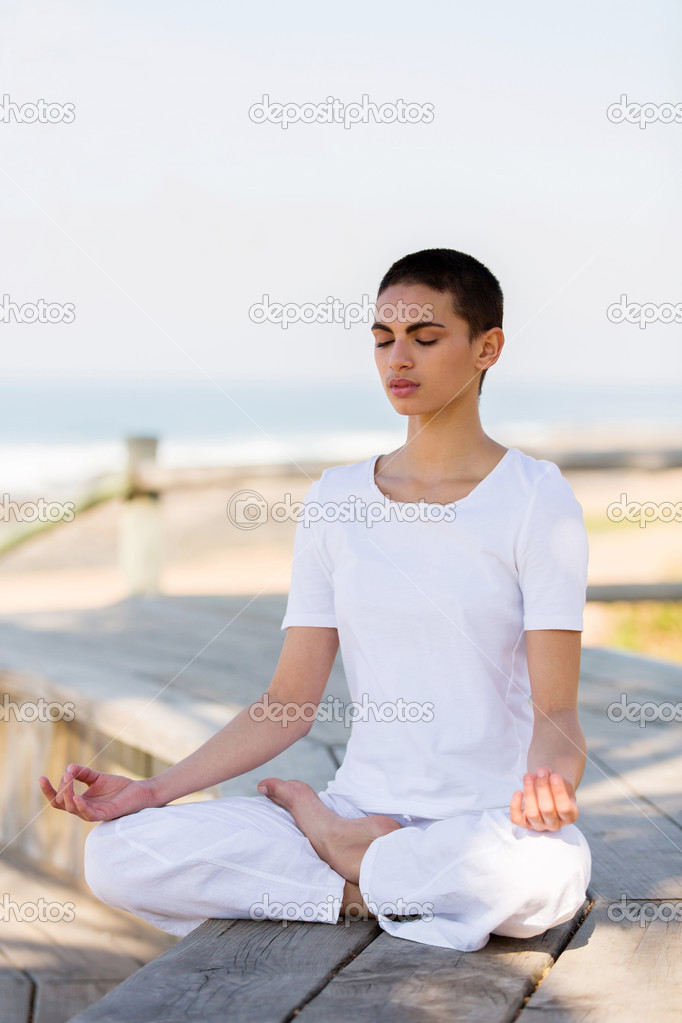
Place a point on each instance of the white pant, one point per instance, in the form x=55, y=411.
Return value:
x=468, y=876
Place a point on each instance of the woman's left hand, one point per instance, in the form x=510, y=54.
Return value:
x=547, y=802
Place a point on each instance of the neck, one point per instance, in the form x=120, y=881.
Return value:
x=444, y=444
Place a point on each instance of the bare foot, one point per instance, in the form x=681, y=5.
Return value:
x=339, y=841
x=353, y=906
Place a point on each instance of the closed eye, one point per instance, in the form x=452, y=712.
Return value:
x=381, y=344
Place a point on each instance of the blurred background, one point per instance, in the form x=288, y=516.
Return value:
x=157, y=210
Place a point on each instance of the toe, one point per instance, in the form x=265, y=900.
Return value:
x=268, y=785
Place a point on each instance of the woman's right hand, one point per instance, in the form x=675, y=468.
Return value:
x=107, y=795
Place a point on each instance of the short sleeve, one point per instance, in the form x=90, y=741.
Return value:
x=311, y=590
x=552, y=554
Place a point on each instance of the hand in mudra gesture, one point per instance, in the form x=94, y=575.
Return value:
x=106, y=797
x=547, y=802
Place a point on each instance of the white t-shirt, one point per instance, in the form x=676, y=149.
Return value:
x=431, y=603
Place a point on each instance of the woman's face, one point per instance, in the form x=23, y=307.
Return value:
x=419, y=339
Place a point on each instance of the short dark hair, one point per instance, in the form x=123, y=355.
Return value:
x=476, y=293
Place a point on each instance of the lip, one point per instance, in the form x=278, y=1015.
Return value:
x=401, y=386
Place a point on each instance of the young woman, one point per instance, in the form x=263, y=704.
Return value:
x=452, y=574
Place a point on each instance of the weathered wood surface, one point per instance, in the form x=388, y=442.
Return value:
x=245, y=971
x=218, y=655
x=150, y=681
x=614, y=972
x=400, y=981
x=51, y=969
x=634, y=592
x=241, y=970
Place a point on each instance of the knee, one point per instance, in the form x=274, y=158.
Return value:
x=552, y=880
x=104, y=864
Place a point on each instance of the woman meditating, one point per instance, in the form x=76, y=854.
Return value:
x=452, y=574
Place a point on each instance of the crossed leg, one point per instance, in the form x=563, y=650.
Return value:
x=339, y=841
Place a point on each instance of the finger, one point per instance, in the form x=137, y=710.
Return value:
x=545, y=797
x=515, y=810
x=49, y=793
x=564, y=798
x=66, y=792
x=530, y=802
x=86, y=811
x=59, y=796
x=82, y=773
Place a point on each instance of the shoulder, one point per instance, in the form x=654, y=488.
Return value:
x=539, y=478
x=341, y=480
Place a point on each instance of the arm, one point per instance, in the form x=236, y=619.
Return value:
x=556, y=755
x=246, y=742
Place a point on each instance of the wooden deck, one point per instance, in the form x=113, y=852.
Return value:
x=48, y=969
x=116, y=664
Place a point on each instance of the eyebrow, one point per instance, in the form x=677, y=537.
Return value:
x=412, y=327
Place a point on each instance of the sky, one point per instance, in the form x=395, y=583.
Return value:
x=161, y=213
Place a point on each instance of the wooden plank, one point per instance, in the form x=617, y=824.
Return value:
x=401, y=981
x=613, y=972
x=50, y=970
x=103, y=661
x=647, y=758
x=65, y=964
x=635, y=592
x=306, y=760
x=16, y=993
x=58, y=999
x=61, y=946
x=630, y=458
x=241, y=970
x=246, y=972
x=629, y=673
x=635, y=848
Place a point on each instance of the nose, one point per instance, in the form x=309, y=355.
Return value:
x=400, y=353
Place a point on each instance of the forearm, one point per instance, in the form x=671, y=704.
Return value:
x=558, y=743
x=246, y=742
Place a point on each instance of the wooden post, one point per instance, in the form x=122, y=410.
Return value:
x=140, y=533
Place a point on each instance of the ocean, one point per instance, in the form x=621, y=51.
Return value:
x=56, y=435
